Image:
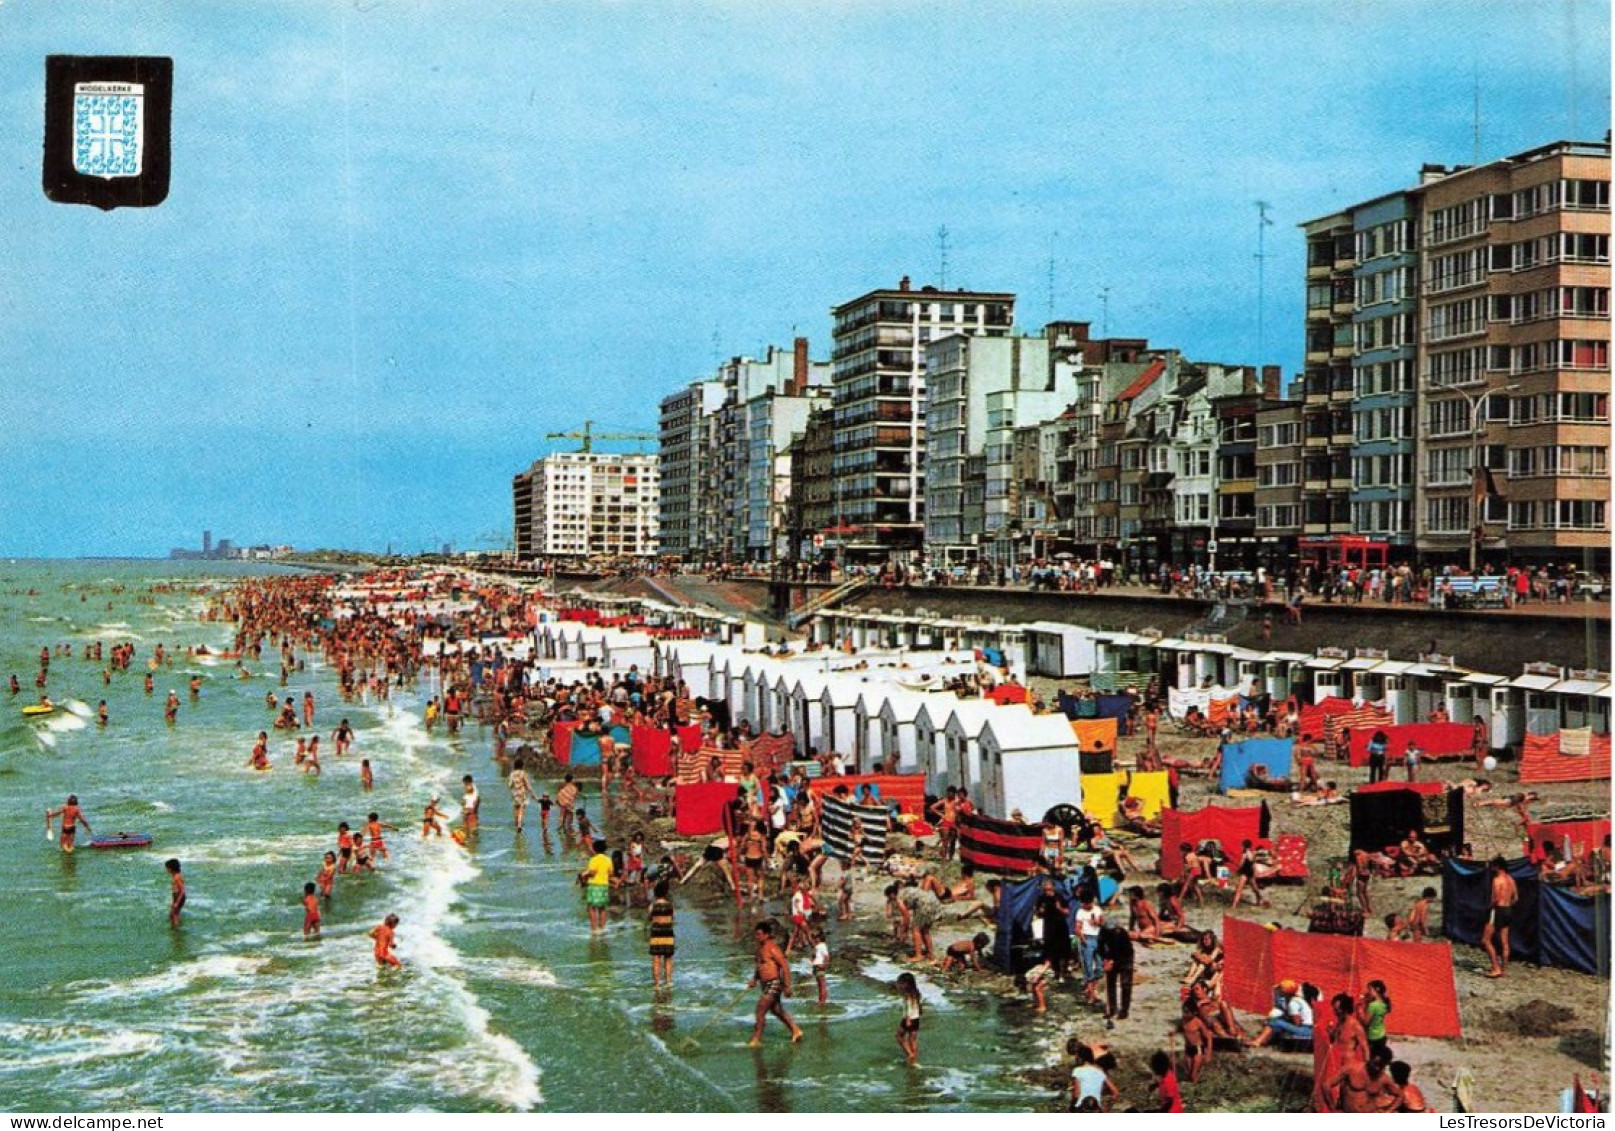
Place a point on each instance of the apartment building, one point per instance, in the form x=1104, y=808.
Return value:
x=684, y=445
x=588, y=504
x=879, y=382
x=1455, y=395
x=1514, y=377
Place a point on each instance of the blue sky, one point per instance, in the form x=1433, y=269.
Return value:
x=405, y=240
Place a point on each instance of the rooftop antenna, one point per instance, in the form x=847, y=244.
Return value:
x=1104, y=313
x=1051, y=287
x=942, y=252
x=1262, y=224
x=717, y=349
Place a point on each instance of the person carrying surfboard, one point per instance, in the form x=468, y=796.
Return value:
x=72, y=816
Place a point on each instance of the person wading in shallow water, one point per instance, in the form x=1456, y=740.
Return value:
x=773, y=979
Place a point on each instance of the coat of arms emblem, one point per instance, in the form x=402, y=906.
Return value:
x=108, y=121
x=108, y=128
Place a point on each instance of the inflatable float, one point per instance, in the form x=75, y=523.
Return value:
x=38, y=710
x=122, y=840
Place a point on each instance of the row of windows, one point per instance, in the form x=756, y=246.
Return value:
x=1380, y=517
x=1393, y=238
x=1385, y=424
x=1458, y=269
x=1385, y=286
x=1560, y=459
x=1278, y=515
x=1554, y=408
x=1384, y=333
x=1577, y=195
x=1558, y=514
x=1384, y=377
x=1457, y=319
x=1279, y=435
x=1382, y=471
x=1552, y=302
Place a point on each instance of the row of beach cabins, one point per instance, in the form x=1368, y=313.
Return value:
x=869, y=685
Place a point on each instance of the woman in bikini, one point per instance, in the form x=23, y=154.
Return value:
x=753, y=858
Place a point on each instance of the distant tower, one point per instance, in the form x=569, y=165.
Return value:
x=207, y=543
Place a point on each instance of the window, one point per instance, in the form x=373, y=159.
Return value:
x=1448, y=467
x=1457, y=367
x=1236, y=506
x=1538, y=198
x=1457, y=319
x=1522, y=516
x=1584, y=354
x=1587, y=196
x=1448, y=417
x=1577, y=514
x=1456, y=222
x=1460, y=269
x=1583, y=247
x=1269, y=516
x=1448, y=515
x=1592, y=407
x=1278, y=475
x=1578, y=459
x=1278, y=435
x=1584, y=302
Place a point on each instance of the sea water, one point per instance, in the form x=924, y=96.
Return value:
x=506, y=1002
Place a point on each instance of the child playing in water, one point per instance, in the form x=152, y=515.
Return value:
x=1037, y=979
x=386, y=937
x=844, y=897
x=344, y=847
x=311, y=912
x=176, y=892
x=431, y=820
x=821, y=963
x=373, y=827
x=327, y=876
x=908, y=1029
x=366, y=779
x=966, y=953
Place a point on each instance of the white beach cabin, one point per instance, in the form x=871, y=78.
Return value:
x=1029, y=764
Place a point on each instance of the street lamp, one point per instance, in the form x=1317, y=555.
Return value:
x=1476, y=462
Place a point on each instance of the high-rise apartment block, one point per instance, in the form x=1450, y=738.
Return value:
x=879, y=408
x=1456, y=395
x=725, y=448
x=588, y=505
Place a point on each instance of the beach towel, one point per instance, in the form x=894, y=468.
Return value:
x=835, y=825
x=991, y=845
x=1007, y=693
x=1154, y=789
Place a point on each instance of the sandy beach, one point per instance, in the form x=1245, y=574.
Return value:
x=1524, y=1036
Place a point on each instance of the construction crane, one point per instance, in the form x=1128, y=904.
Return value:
x=588, y=436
